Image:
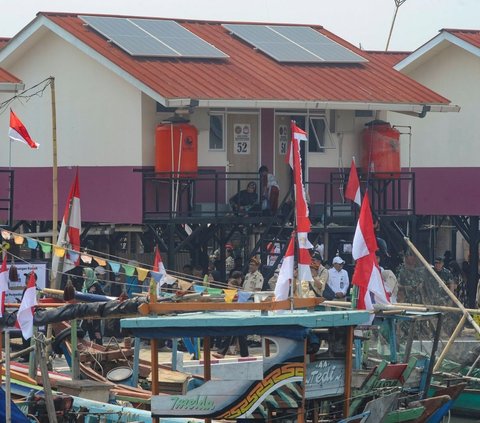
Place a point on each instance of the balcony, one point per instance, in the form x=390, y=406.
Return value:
x=203, y=197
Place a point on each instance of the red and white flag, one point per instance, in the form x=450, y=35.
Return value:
x=18, y=132
x=25, y=311
x=367, y=276
x=285, y=276
x=3, y=285
x=301, y=206
x=352, y=192
x=69, y=236
x=159, y=271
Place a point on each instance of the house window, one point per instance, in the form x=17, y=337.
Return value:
x=316, y=134
x=216, y=132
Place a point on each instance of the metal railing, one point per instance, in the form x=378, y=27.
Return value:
x=168, y=195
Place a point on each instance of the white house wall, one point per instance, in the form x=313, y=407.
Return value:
x=98, y=114
x=444, y=146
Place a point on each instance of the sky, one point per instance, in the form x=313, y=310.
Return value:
x=364, y=23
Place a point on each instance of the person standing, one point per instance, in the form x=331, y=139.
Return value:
x=338, y=281
x=253, y=279
x=269, y=190
x=319, y=275
x=92, y=326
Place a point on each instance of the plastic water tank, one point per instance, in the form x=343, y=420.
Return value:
x=176, y=149
x=381, y=150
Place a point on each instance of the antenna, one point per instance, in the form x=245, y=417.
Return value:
x=398, y=3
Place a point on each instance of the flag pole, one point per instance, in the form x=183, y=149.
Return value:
x=53, y=282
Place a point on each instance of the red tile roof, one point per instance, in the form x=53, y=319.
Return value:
x=249, y=74
x=471, y=36
x=389, y=58
x=8, y=77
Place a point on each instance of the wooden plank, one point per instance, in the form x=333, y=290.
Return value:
x=159, y=308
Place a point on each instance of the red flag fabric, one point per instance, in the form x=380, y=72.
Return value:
x=18, y=132
x=301, y=207
x=367, y=276
x=3, y=285
x=352, y=192
x=69, y=236
x=25, y=311
x=285, y=276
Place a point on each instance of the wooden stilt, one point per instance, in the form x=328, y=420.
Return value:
x=348, y=371
x=47, y=388
x=154, y=359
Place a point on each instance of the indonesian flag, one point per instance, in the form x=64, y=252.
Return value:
x=69, y=236
x=367, y=276
x=3, y=285
x=352, y=192
x=18, y=132
x=25, y=311
x=301, y=207
x=285, y=276
x=159, y=271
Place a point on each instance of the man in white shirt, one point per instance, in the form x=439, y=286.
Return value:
x=338, y=280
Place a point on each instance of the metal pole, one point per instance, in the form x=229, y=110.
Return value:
x=348, y=371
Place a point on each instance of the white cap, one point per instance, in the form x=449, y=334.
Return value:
x=338, y=260
x=100, y=270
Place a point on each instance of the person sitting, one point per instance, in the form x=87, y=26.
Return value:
x=269, y=190
x=245, y=200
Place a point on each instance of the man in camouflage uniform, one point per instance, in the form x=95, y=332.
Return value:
x=433, y=294
x=253, y=279
x=410, y=278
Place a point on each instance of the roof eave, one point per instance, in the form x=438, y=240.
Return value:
x=427, y=47
x=42, y=21
x=11, y=87
x=311, y=105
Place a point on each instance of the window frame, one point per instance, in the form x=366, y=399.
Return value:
x=223, y=121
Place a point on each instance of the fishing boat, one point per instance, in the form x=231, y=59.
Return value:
x=293, y=375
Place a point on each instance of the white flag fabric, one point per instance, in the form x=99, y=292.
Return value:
x=285, y=276
x=69, y=235
x=25, y=311
x=367, y=276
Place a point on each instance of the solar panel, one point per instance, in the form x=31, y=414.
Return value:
x=153, y=38
x=294, y=43
x=179, y=38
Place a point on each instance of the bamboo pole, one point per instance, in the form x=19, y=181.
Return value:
x=54, y=168
x=452, y=296
x=8, y=410
x=47, y=388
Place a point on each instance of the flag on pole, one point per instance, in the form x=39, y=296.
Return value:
x=25, y=311
x=285, y=276
x=367, y=276
x=69, y=236
x=18, y=132
x=159, y=271
x=3, y=285
x=352, y=192
x=301, y=206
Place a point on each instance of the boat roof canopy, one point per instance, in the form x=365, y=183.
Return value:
x=294, y=325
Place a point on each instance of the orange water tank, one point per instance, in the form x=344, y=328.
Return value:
x=176, y=149
x=381, y=150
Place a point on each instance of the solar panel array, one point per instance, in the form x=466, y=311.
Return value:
x=153, y=37
x=294, y=43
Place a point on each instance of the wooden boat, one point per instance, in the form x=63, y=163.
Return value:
x=292, y=379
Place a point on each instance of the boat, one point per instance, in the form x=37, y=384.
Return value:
x=293, y=374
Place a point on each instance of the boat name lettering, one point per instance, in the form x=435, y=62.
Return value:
x=324, y=373
x=196, y=403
